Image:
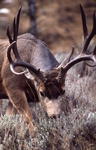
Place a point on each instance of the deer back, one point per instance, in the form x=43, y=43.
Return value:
x=35, y=52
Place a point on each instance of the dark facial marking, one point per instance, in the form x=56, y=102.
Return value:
x=52, y=89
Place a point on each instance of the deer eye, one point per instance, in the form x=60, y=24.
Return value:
x=42, y=93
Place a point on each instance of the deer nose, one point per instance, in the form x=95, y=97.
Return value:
x=42, y=93
x=52, y=108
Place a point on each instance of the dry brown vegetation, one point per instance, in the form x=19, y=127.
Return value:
x=75, y=128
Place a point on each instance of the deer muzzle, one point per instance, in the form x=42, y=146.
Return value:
x=53, y=107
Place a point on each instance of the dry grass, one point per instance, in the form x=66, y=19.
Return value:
x=74, y=129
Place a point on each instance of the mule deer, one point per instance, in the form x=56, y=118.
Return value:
x=43, y=77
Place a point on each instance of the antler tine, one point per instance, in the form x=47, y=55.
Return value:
x=84, y=25
x=61, y=78
x=71, y=54
x=66, y=60
x=18, y=20
x=91, y=35
x=15, y=33
x=9, y=35
x=15, y=39
x=14, y=30
x=16, y=25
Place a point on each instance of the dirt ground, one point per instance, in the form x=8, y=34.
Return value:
x=58, y=21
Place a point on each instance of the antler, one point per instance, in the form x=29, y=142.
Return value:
x=62, y=68
x=15, y=34
x=83, y=56
x=85, y=30
x=84, y=25
x=68, y=58
x=13, y=46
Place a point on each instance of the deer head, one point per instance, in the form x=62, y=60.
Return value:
x=49, y=84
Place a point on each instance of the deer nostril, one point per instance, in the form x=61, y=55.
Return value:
x=42, y=93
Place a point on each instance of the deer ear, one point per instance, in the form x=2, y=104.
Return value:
x=30, y=76
x=33, y=78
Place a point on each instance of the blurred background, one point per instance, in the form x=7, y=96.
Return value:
x=57, y=22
